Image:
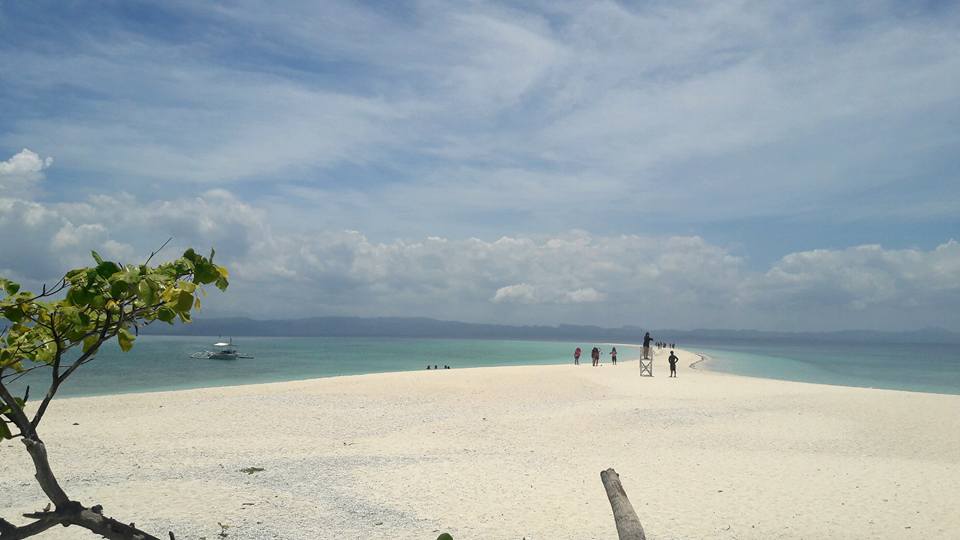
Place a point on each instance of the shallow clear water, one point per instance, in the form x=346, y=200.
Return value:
x=164, y=363
x=901, y=366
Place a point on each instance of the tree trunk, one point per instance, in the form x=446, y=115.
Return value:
x=46, y=479
x=67, y=512
x=628, y=524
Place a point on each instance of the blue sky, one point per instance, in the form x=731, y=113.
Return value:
x=787, y=165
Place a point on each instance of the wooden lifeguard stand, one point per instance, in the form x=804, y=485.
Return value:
x=646, y=363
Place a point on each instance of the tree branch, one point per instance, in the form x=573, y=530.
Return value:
x=44, y=475
x=61, y=285
x=15, y=376
x=10, y=532
x=55, y=384
x=158, y=250
x=74, y=513
x=16, y=414
x=59, y=353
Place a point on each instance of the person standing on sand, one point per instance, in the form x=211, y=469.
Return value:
x=646, y=345
x=613, y=356
x=576, y=357
x=673, y=364
x=595, y=356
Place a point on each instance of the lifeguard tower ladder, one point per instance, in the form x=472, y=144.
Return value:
x=646, y=362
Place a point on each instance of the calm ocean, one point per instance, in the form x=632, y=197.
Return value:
x=164, y=362
x=917, y=367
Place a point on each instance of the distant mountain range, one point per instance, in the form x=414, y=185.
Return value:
x=417, y=327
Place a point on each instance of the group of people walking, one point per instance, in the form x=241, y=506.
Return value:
x=594, y=356
x=647, y=340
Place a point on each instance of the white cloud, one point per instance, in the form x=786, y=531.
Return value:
x=521, y=293
x=724, y=109
x=484, y=120
x=573, y=277
x=21, y=172
x=585, y=295
x=72, y=236
x=862, y=277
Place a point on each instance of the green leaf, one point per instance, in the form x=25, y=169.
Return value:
x=205, y=273
x=107, y=269
x=75, y=273
x=13, y=313
x=5, y=430
x=187, y=286
x=10, y=287
x=125, y=339
x=97, y=257
x=184, y=302
x=166, y=314
x=71, y=315
x=90, y=342
x=445, y=536
x=46, y=354
x=118, y=288
x=147, y=294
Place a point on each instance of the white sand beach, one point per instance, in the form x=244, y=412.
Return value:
x=507, y=453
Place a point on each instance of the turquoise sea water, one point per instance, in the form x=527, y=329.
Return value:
x=897, y=366
x=164, y=362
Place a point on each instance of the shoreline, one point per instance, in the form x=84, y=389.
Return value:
x=413, y=454
x=699, y=364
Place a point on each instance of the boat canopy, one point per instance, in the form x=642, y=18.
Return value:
x=221, y=344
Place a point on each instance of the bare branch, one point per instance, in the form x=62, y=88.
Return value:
x=56, y=358
x=61, y=285
x=158, y=250
x=16, y=376
x=55, y=384
x=73, y=513
x=10, y=532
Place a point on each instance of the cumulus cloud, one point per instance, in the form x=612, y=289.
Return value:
x=861, y=278
x=370, y=165
x=21, y=172
x=573, y=277
x=524, y=293
x=588, y=294
x=521, y=293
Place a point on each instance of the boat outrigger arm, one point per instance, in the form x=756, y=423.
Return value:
x=224, y=350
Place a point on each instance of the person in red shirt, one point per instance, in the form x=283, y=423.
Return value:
x=576, y=357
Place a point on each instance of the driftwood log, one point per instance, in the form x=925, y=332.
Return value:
x=628, y=524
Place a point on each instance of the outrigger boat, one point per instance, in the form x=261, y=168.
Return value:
x=224, y=351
